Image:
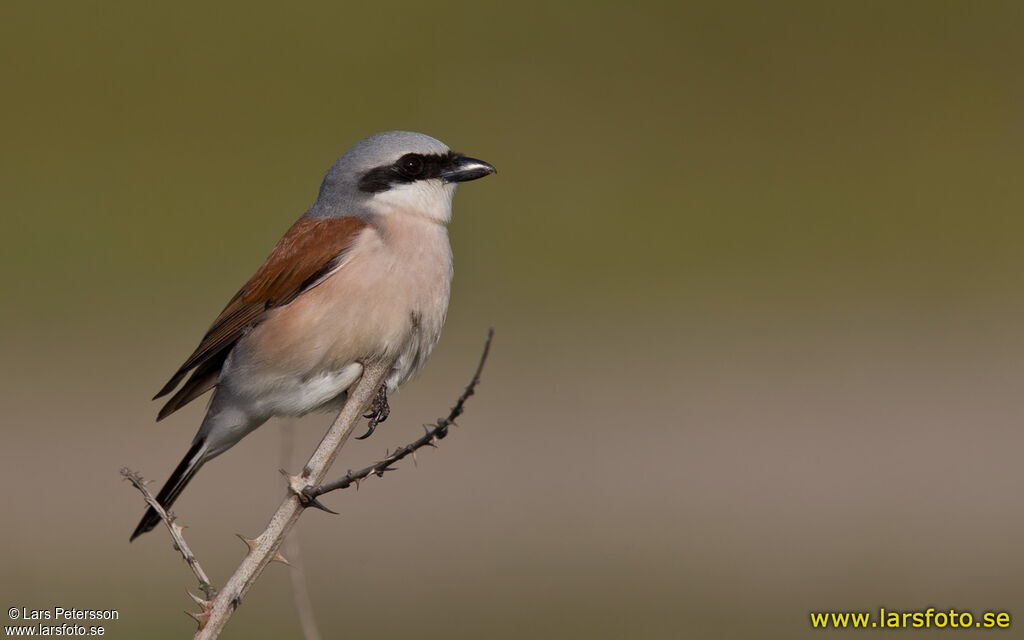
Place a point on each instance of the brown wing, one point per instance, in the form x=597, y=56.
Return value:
x=307, y=252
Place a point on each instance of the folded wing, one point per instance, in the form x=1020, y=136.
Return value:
x=310, y=250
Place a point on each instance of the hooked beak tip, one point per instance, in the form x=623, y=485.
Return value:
x=466, y=169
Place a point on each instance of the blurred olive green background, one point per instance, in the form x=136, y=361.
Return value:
x=754, y=268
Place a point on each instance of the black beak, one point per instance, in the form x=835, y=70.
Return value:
x=465, y=169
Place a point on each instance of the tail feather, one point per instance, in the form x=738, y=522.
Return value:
x=181, y=476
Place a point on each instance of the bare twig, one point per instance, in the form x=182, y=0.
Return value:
x=265, y=547
x=300, y=590
x=433, y=433
x=176, y=531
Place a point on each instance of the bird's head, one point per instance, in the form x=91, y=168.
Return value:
x=396, y=172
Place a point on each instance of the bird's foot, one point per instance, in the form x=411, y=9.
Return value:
x=379, y=411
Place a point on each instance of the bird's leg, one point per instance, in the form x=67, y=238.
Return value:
x=379, y=411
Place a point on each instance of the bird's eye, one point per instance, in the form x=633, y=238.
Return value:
x=411, y=165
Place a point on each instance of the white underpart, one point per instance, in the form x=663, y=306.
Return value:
x=298, y=395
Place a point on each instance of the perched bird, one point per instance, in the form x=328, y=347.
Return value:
x=365, y=272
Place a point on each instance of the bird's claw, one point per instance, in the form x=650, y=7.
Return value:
x=379, y=412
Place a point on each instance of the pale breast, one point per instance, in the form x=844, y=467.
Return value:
x=389, y=299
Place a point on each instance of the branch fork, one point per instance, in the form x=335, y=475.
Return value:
x=304, y=489
x=308, y=494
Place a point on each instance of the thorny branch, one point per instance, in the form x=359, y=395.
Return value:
x=218, y=606
x=176, y=532
x=433, y=433
x=264, y=548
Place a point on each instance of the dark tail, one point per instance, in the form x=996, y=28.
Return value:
x=183, y=473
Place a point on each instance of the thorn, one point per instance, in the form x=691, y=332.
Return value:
x=296, y=484
x=248, y=542
x=415, y=462
x=200, y=618
x=279, y=558
x=307, y=501
x=205, y=604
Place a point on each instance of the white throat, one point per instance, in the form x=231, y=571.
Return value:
x=431, y=199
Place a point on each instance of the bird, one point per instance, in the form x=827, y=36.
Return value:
x=365, y=272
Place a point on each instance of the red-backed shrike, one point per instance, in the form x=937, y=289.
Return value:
x=365, y=272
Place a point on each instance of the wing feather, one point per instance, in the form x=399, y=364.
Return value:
x=309, y=252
